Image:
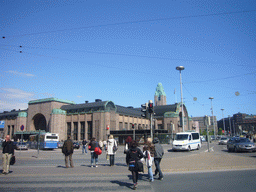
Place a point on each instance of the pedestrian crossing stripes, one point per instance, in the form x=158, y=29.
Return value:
x=74, y=183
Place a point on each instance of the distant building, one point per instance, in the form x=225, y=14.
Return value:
x=239, y=123
x=202, y=126
x=87, y=120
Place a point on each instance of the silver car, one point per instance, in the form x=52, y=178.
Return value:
x=223, y=141
x=240, y=145
x=22, y=146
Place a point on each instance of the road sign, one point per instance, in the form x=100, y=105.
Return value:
x=22, y=127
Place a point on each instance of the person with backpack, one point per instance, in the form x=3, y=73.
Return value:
x=68, y=150
x=133, y=156
x=111, y=149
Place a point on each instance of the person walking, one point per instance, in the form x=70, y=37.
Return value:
x=68, y=150
x=149, y=153
x=94, y=157
x=111, y=149
x=84, y=143
x=159, y=152
x=8, y=151
x=133, y=156
x=127, y=144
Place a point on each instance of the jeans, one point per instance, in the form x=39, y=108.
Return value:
x=84, y=149
x=158, y=169
x=94, y=156
x=6, y=162
x=150, y=173
x=112, y=159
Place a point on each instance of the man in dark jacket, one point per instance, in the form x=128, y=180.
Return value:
x=68, y=149
x=8, y=151
x=159, y=152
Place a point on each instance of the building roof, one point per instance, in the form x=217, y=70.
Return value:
x=161, y=110
x=129, y=111
x=11, y=114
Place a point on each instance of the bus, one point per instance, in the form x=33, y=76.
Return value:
x=46, y=140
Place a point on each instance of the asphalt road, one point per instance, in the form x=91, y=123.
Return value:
x=47, y=173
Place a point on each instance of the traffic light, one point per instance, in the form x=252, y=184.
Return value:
x=151, y=108
x=132, y=126
x=144, y=110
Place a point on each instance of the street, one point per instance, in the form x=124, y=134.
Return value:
x=183, y=171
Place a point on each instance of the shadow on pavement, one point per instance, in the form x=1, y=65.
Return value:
x=123, y=184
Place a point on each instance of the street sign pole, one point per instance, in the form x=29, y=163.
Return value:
x=38, y=144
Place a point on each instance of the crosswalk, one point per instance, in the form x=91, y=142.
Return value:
x=90, y=182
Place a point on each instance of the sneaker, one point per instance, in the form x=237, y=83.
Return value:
x=96, y=165
x=91, y=166
x=160, y=178
x=67, y=166
x=134, y=186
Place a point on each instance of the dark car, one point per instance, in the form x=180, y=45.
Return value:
x=76, y=145
x=240, y=145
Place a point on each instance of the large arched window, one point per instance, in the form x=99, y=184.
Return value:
x=40, y=122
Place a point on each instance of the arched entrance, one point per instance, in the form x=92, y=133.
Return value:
x=40, y=122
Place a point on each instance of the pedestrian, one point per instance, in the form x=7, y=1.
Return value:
x=68, y=150
x=100, y=144
x=111, y=149
x=149, y=153
x=127, y=144
x=84, y=143
x=105, y=145
x=159, y=152
x=94, y=157
x=8, y=151
x=133, y=156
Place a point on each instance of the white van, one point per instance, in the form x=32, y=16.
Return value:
x=186, y=141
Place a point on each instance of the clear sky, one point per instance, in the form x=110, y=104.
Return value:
x=119, y=50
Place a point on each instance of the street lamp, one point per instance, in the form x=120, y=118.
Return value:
x=213, y=118
x=180, y=68
x=223, y=121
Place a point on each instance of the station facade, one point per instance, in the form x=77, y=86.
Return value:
x=96, y=119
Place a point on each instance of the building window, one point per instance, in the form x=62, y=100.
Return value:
x=68, y=128
x=82, y=130
x=126, y=126
x=120, y=125
x=8, y=132
x=12, y=131
x=75, y=131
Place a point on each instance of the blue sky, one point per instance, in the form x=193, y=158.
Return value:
x=119, y=50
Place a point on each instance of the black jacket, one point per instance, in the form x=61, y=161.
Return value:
x=134, y=154
x=8, y=147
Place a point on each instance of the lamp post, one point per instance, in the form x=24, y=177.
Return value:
x=213, y=118
x=223, y=122
x=180, y=68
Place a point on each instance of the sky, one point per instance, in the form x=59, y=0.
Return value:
x=119, y=50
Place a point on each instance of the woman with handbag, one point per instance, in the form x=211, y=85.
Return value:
x=133, y=157
x=111, y=149
x=94, y=156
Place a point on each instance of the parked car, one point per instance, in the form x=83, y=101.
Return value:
x=240, y=145
x=76, y=145
x=223, y=141
x=22, y=146
x=60, y=144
